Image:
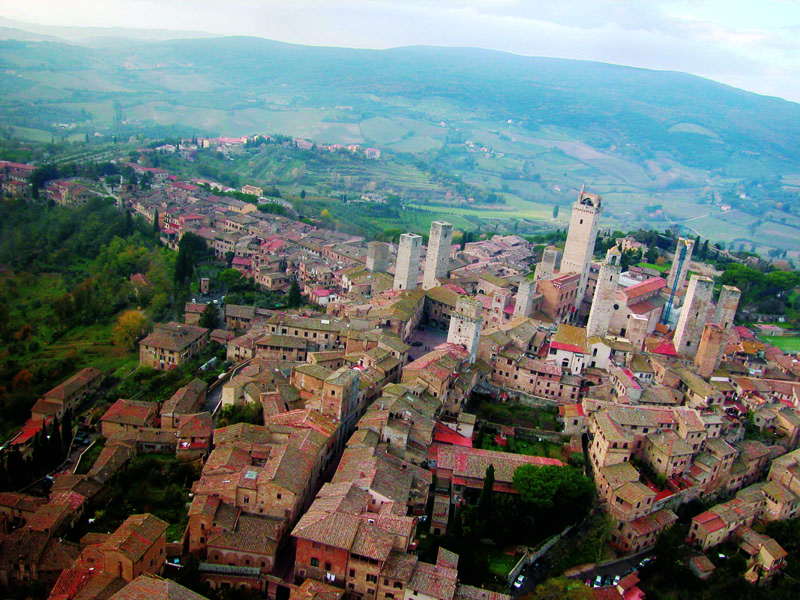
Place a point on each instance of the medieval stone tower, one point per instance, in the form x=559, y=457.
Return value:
x=524, y=303
x=465, y=325
x=674, y=272
x=377, y=257
x=727, y=305
x=407, y=267
x=581, y=238
x=437, y=261
x=636, y=331
x=551, y=259
x=604, y=294
x=709, y=350
x=694, y=315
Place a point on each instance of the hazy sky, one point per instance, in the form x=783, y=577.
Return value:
x=752, y=44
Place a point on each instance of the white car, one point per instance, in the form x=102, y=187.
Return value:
x=520, y=580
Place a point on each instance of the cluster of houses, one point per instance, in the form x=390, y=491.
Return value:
x=368, y=391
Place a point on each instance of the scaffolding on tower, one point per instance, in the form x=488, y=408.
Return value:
x=681, y=254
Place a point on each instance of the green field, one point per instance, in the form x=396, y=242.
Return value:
x=500, y=563
x=661, y=268
x=789, y=344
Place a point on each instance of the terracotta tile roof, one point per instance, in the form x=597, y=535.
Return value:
x=468, y=592
x=253, y=533
x=399, y=566
x=335, y=529
x=74, y=383
x=473, y=462
x=186, y=400
x=569, y=338
x=433, y=580
x=46, y=408
x=152, y=587
x=654, y=521
x=136, y=535
x=173, y=336
x=645, y=287
x=131, y=412
x=372, y=542
x=21, y=502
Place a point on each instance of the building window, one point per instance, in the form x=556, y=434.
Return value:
x=314, y=562
x=328, y=566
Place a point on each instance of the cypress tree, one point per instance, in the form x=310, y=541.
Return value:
x=485, y=499
x=66, y=431
x=54, y=451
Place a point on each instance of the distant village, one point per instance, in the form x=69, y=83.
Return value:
x=364, y=394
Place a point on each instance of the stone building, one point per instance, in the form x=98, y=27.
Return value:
x=581, y=238
x=604, y=294
x=551, y=260
x=680, y=274
x=407, y=267
x=465, y=325
x=693, y=315
x=437, y=261
x=525, y=294
x=377, y=257
x=709, y=350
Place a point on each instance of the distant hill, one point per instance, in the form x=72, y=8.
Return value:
x=696, y=121
x=531, y=128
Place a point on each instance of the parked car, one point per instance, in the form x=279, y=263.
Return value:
x=598, y=581
x=617, y=579
x=519, y=581
x=646, y=561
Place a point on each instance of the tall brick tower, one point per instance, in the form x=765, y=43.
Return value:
x=407, y=267
x=437, y=261
x=581, y=238
x=604, y=294
x=694, y=315
x=465, y=325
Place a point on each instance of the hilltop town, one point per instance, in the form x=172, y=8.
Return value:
x=351, y=442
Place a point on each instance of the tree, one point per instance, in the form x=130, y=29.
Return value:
x=131, y=325
x=485, y=499
x=22, y=380
x=668, y=548
x=560, y=588
x=66, y=430
x=550, y=486
x=54, y=446
x=190, y=249
x=295, y=299
x=229, y=278
x=555, y=211
x=209, y=317
x=156, y=228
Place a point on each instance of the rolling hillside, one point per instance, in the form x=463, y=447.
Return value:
x=529, y=128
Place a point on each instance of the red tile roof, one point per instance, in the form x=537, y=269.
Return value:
x=645, y=287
